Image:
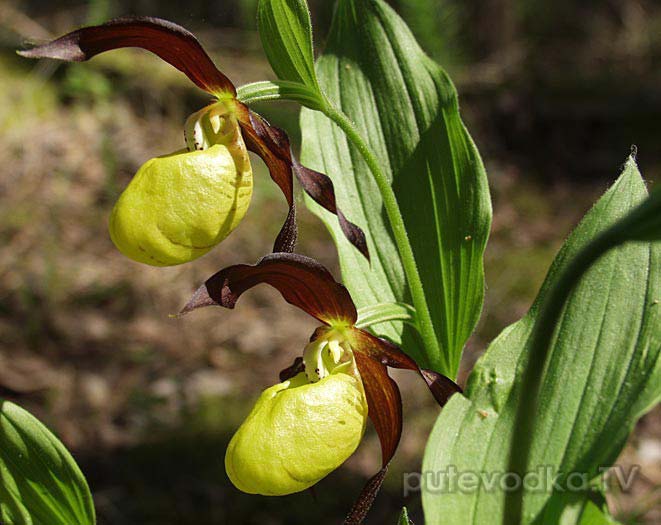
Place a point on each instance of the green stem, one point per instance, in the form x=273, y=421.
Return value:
x=438, y=361
x=280, y=90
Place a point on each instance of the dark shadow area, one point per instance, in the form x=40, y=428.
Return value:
x=179, y=478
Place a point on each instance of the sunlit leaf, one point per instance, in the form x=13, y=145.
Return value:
x=643, y=223
x=604, y=372
x=575, y=508
x=40, y=483
x=286, y=32
x=406, y=108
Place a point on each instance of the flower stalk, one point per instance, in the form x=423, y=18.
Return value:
x=287, y=90
x=435, y=356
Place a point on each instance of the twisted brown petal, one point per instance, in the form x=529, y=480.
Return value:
x=373, y=355
x=384, y=404
x=171, y=42
x=391, y=355
x=302, y=281
x=363, y=504
x=320, y=188
x=272, y=144
x=266, y=141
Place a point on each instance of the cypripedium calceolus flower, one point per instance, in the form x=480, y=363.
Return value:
x=179, y=206
x=308, y=424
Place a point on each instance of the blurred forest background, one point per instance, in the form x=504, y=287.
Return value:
x=555, y=94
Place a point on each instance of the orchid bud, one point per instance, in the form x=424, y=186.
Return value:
x=298, y=432
x=179, y=206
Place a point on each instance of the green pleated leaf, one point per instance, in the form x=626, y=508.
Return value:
x=286, y=33
x=575, y=508
x=643, y=223
x=593, y=515
x=40, y=483
x=406, y=108
x=603, y=373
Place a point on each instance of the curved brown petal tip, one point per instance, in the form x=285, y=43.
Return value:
x=320, y=188
x=365, y=500
x=301, y=281
x=200, y=299
x=285, y=242
x=384, y=404
x=273, y=146
x=442, y=388
x=171, y=42
x=389, y=354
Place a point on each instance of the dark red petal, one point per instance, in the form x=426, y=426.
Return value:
x=302, y=281
x=384, y=404
x=381, y=350
x=320, y=188
x=285, y=242
x=259, y=138
x=442, y=387
x=391, y=355
x=363, y=504
x=169, y=41
x=272, y=145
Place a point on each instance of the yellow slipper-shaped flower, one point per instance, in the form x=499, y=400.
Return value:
x=179, y=206
x=297, y=433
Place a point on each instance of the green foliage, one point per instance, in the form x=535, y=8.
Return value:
x=440, y=27
x=286, y=32
x=575, y=509
x=383, y=313
x=405, y=106
x=40, y=481
x=641, y=224
x=282, y=89
x=603, y=373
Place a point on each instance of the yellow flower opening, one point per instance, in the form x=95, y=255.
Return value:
x=179, y=206
x=299, y=431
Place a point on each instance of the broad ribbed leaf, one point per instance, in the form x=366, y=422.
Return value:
x=40, y=483
x=575, y=508
x=286, y=32
x=405, y=106
x=604, y=372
